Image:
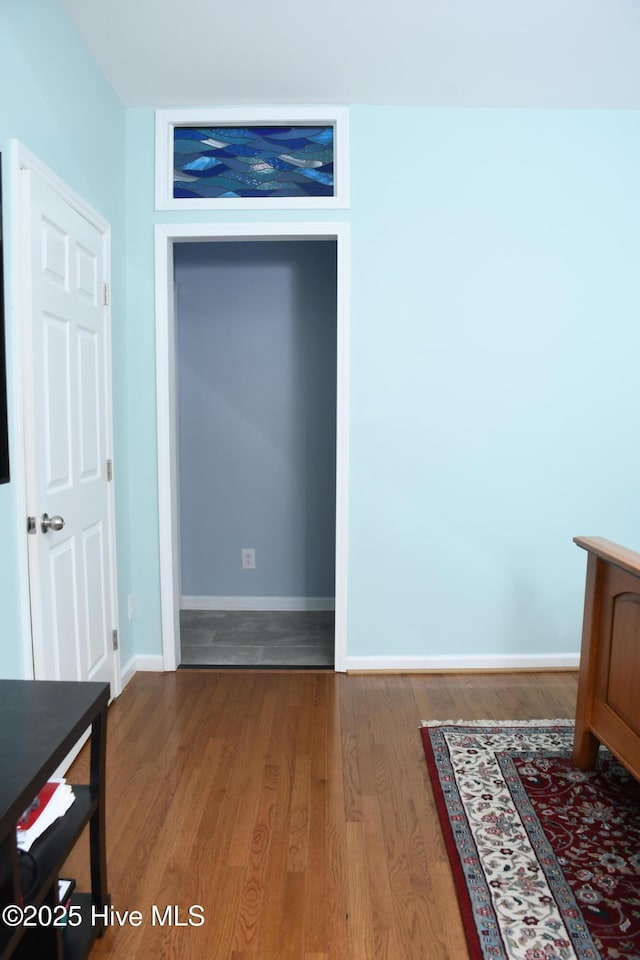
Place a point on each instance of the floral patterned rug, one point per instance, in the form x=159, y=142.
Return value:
x=546, y=858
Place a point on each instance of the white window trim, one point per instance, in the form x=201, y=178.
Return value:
x=167, y=120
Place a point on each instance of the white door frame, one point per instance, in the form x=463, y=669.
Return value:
x=23, y=159
x=165, y=236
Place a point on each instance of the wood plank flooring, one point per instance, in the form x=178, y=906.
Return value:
x=294, y=808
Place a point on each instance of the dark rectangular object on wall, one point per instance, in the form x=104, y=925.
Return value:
x=4, y=430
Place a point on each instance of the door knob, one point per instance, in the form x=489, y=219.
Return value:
x=51, y=523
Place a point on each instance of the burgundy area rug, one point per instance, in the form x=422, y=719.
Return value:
x=546, y=858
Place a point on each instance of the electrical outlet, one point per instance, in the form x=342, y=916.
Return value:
x=248, y=558
x=131, y=609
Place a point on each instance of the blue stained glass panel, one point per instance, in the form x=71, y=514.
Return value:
x=261, y=161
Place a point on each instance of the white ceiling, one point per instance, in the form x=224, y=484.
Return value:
x=495, y=53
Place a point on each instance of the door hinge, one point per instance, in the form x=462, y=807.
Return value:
x=105, y=294
x=109, y=469
x=114, y=637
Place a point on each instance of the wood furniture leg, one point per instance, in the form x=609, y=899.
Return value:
x=97, y=832
x=585, y=744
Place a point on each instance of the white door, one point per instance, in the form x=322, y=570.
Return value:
x=68, y=416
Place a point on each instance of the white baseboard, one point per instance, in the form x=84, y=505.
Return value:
x=490, y=662
x=127, y=672
x=257, y=603
x=495, y=662
x=150, y=662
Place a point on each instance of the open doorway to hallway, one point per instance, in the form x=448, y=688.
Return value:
x=256, y=440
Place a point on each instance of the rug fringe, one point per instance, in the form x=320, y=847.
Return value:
x=563, y=722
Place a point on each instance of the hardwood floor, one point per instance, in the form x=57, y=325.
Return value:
x=295, y=808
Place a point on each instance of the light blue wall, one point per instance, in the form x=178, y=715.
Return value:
x=140, y=348
x=54, y=100
x=494, y=344
x=257, y=406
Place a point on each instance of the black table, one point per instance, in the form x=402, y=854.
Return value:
x=40, y=722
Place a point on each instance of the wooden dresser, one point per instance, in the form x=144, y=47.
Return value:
x=608, y=707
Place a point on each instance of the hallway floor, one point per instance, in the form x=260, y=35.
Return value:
x=257, y=638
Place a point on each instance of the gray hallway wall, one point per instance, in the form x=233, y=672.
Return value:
x=256, y=325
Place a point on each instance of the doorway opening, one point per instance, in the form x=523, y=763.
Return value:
x=256, y=423
x=168, y=236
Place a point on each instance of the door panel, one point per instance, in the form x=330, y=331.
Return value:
x=56, y=402
x=71, y=569
x=62, y=662
x=97, y=624
x=89, y=440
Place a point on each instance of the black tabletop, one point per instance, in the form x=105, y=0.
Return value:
x=40, y=721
